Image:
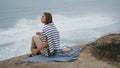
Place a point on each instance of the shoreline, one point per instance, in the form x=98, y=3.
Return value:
x=86, y=59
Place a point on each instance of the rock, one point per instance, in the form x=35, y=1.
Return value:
x=86, y=59
x=107, y=46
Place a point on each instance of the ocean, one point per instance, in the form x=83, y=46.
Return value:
x=79, y=22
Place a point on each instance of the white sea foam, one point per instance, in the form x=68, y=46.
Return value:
x=72, y=30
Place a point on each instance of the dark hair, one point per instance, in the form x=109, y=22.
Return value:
x=48, y=17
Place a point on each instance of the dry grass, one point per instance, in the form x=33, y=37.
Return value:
x=107, y=49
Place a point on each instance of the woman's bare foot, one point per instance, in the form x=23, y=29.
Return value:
x=34, y=52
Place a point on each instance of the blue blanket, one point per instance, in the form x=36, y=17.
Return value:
x=59, y=57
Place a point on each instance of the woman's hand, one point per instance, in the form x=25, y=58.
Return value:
x=34, y=52
x=38, y=33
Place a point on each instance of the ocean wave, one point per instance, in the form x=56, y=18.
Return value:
x=73, y=30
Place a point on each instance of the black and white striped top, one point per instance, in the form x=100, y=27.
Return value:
x=53, y=36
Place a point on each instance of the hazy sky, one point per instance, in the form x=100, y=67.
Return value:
x=62, y=5
x=13, y=10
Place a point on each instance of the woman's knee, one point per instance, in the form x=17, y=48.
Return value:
x=36, y=37
x=33, y=37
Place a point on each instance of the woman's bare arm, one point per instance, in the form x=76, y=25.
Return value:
x=38, y=33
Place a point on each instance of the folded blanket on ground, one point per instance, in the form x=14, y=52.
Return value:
x=59, y=57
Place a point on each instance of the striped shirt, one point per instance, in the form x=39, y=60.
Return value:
x=53, y=36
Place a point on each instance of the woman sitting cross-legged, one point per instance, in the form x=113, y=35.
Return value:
x=46, y=42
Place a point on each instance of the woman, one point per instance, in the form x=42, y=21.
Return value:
x=46, y=42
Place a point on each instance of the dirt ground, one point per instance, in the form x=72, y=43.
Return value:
x=85, y=60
